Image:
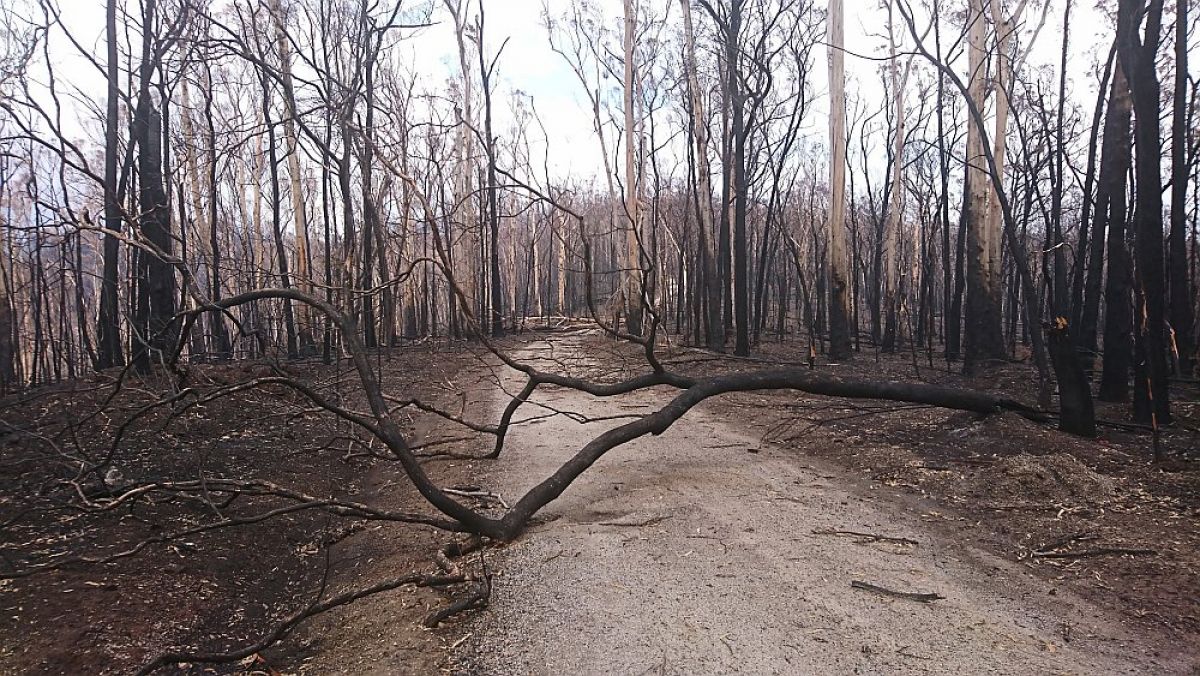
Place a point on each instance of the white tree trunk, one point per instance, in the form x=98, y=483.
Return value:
x=632, y=285
x=896, y=199
x=979, y=201
x=465, y=243
x=839, y=263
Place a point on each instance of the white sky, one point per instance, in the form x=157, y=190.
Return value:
x=528, y=64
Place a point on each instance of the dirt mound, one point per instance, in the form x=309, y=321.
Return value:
x=1049, y=478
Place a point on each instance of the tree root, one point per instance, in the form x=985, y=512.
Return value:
x=481, y=582
x=477, y=600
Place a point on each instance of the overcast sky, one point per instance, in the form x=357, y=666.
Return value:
x=528, y=64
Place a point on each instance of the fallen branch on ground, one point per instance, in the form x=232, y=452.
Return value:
x=479, y=495
x=477, y=600
x=282, y=629
x=1064, y=542
x=866, y=537
x=1102, y=551
x=910, y=596
x=692, y=391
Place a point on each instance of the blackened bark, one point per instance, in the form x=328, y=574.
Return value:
x=1151, y=403
x=741, y=300
x=1114, y=117
x=492, y=210
x=1177, y=263
x=221, y=348
x=8, y=334
x=951, y=296
x=1118, y=311
x=1089, y=250
x=1076, y=413
x=109, y=330
x=954, y=320
x=155, y=307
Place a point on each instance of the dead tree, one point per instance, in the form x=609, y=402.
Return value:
x=109, y=330
x=1115, y=163
x=1181, y=302
x=983, y=328
x=1151, y=402
x=303, y=274
x=492, y=209
x=839, y=305
x=155, y=305
x=632, y=284
x=714, y=330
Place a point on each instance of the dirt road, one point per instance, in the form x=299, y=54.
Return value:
x=688, y=553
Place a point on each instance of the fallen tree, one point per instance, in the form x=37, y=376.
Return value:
x=381, y=423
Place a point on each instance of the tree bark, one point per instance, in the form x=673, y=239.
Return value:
x=1151, y=402
x=303, y=276
x=839, y=263
x=895, y=204
x=281, y=259
x=1089, y=271
x=8, y=334
x=109, y=330
x=1118, y=313
x=1180, y=302
x=983, y=328
x=221, y=347
x=156, y=277
x=738, y=133
x=714, y=330
x=632, y=283
x=493, y=213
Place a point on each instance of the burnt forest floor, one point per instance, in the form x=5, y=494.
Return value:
x=219, y=590
x=1093, y=517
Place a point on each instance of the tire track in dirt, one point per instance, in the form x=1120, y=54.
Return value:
x=686, y=554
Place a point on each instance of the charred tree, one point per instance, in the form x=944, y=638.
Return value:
x=714, y=329
x=109, y=350
x=1151, y=403
x=155, y=320
x=1118, y=288
x=1180, y=303
x=1089, y=261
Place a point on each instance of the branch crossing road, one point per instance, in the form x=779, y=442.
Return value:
x=687, y=554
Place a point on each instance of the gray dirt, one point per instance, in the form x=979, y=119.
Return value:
x=687, y=553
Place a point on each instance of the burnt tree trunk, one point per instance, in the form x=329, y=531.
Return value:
x=155, y=307
x=1089, y=271
x=1076, y=413
x=108, y=328
x=1151, y=402
x=1180, y=302
x=1118, y=312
